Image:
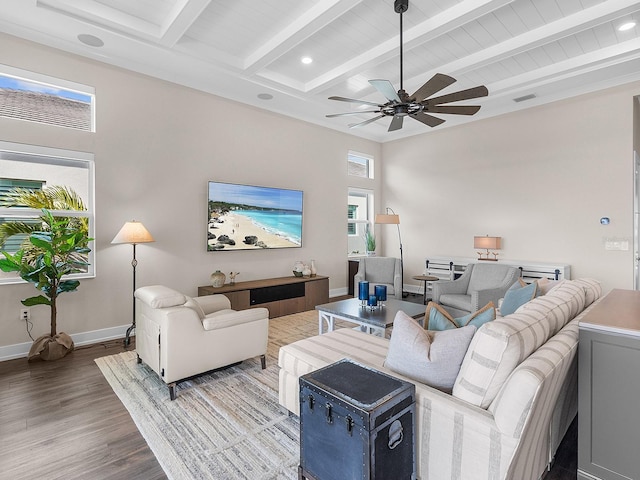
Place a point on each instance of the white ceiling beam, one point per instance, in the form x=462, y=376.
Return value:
x=572, y=67
x=321, y=14
x=564, y=27
x=180, y=19
x=100, y=15
x=452, y=18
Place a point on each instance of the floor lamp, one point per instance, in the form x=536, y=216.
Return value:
x=133, y=232
x=391, y=218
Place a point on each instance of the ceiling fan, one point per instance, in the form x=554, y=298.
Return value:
x=418, y=106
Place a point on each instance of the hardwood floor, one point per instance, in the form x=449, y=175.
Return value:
x=62, y=420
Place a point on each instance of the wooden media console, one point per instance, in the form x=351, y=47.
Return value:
x=282, y=296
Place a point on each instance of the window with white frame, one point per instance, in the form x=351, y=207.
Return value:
x=39, y=98
x=35, y=168
x=359, y=218
x=359, y=165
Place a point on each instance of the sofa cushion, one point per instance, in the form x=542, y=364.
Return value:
x=459, y=301
x=499, y=346
x=227, y=317
x=159, y=296
x=195, y=306
x=592, y=289
x=429, y=357
x=516, y=296
x=439, y=319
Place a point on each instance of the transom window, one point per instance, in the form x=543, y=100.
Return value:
x=43, y=99
x=360, y=165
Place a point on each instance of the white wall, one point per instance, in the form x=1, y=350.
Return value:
x=541, y=179
x=156, y=146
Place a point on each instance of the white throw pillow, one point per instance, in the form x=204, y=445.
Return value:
x=429, y=357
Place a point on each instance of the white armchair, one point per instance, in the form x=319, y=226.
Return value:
x=180, y=337
x=380, y=271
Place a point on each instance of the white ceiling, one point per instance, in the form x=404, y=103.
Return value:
x=239, y=49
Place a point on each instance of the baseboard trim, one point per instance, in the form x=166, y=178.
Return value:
x=20, y=350
x=338, y=292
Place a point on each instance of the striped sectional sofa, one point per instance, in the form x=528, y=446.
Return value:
x=513, y=400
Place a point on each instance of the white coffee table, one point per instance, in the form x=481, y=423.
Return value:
x=373, y=321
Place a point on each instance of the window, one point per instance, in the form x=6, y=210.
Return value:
x=352, y=215
x=360, y=165
x=13, y=243
x=35, y=168
x=359, y=218
x=39, y=98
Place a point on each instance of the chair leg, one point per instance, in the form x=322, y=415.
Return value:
x=263, y=361
x=172, y=390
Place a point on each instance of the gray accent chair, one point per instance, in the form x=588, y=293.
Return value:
x=380, y=271
x=480, y=284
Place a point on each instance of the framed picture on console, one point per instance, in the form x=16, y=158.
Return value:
x=251, y=217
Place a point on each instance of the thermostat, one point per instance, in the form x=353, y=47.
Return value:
x=605, y=220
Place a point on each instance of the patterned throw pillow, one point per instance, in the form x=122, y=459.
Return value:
x=516, y=296
x=432, y=358
x=439, y=319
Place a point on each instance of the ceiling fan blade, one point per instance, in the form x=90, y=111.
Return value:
x=474, y=92
x=366, y=122
x=385, y=87
x=454, y=109
x=427, y=119
x=351, y=113
x=353, y=100
x=396, y=123
x=434, y=85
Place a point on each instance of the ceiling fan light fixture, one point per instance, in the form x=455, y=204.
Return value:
x=421, y=104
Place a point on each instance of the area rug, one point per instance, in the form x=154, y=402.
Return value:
x=223, y=425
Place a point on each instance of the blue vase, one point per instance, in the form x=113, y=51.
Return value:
x=381, y=293
x=363, y=291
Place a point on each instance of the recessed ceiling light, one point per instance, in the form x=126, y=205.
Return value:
x=265, y=96
x=90, y=40
x=627, y=26
x=306, y=60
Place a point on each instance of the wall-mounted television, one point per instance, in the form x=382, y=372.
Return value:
x=249, y=217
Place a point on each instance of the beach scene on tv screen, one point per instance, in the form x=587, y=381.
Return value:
x=249, y=217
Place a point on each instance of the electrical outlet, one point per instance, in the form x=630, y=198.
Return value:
x=25, y=314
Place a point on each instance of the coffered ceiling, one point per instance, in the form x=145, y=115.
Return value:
x=250, y=51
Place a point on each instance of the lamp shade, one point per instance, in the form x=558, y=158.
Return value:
x=133, y=232
x=488, y=242
x=387, y=219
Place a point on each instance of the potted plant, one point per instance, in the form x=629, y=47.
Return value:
x=370, y=242
x=56, y=247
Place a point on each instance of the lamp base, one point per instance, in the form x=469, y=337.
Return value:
x=486, y=257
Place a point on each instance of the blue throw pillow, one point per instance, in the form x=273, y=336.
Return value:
x=517, y=296
x=439, y=319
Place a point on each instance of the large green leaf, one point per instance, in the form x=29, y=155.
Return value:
x=39, y=300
